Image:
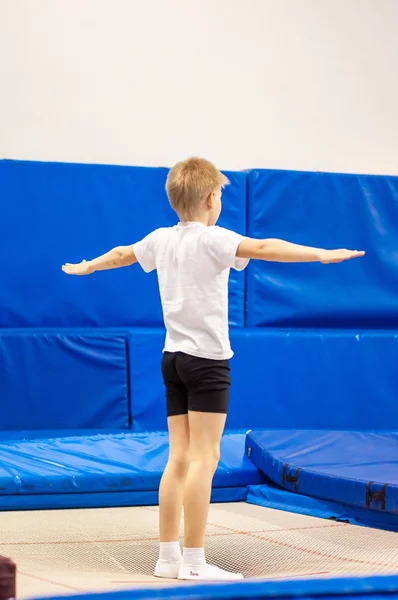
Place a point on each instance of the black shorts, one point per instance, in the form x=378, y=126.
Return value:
x=197, y=384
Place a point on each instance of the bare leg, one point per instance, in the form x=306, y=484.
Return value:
x=171, y=491
x=205, y=431
x=204, y=453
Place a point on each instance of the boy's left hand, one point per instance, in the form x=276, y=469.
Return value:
x=336, y=256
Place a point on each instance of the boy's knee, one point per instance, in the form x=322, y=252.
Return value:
x=215, y=456
x=179, y=464
x=208, y=459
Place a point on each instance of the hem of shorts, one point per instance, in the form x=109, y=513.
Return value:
x=219, y=411
x=194, y=409
x=200, y=354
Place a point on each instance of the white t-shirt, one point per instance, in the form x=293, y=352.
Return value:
x=193, y=263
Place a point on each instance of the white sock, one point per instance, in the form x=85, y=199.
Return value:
x=194, y=557
x=170, y=551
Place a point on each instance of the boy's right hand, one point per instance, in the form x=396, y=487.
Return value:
x=336, y=256
x=83, y=268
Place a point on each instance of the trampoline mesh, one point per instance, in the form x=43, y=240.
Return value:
x=106, y=549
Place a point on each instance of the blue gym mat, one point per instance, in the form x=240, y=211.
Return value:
x=113, y=469
x=355, y=468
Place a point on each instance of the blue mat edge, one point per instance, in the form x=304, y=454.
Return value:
x=104, y=499
x=279, y=499
x=348, y=586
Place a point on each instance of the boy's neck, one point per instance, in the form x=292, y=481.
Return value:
x=204, y=220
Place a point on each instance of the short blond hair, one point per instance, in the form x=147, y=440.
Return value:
x=189, y=184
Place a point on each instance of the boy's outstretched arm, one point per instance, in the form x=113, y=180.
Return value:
x=281, y=251
x=122, y=256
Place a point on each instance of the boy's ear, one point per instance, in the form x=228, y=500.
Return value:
x=209, y=200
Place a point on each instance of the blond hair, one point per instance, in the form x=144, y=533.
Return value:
x=189, y=184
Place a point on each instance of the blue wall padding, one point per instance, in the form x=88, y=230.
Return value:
x=147, y=396
x=54, y=213
x=325, y=211
x=107, y=463
x=333, y=465
x=63, y=381
x=315, y=380
x=282, y=380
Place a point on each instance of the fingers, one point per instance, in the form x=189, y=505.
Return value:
x=75, y=269
x=337, y=256
x=355, y=253
x=69, y=269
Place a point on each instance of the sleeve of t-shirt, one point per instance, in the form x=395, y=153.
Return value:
x=145, y=251
x=223, y=245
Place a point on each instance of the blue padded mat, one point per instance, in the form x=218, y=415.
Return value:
x=279, y=377
x=68, y=380
x=104, y=463
x=331, y=465
x=325, y=210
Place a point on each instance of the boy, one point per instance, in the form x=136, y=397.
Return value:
x=193, y=260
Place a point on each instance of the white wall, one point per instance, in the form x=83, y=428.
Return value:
x=300, y=84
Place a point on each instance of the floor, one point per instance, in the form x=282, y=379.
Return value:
x=71, y=551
